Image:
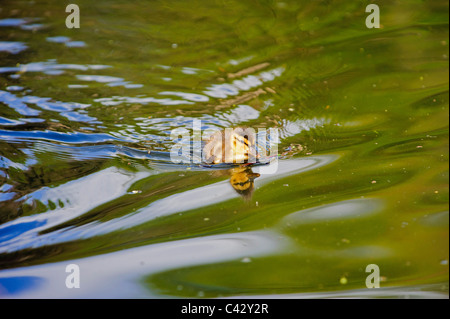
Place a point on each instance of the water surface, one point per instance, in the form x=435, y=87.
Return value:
x=86, y=116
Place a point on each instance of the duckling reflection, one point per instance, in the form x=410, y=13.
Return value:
x=242, y=180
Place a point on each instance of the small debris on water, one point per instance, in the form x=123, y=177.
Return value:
x=268, y=89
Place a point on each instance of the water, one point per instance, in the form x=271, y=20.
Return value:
x=85, y=122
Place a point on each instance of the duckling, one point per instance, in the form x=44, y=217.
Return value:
x=234, y=146
x=242, y=180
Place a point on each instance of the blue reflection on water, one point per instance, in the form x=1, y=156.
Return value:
x=15, y=230
x=12, y=47
x=15, y=285
x=76, y=137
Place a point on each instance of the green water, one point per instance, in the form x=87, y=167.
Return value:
x=362, y=116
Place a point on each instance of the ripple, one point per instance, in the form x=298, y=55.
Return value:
x=188, y=70
x=125, y=84
x=5, y=121
x=291, y=128
x=110, y=81
x=4, y=197
x=98, y=78
x=7, y=163
x=58, y=39
x=354, y=208
x=14, y=88
x=188, y=96
x=14, y=22
x=218, y=120
x=241, y=113
x=77, y=196
x=22, y=23
x=432, y=291
x=221, y=91
x=73, y=138
x=75, y=44
x=117, y=100
x=70, y=110
x=12, y=47
x=80, y=117
x=53, y=106
x=127, y=268
x=225, y=90
x=17, y=104
x=241, y=60
x=181, y=202
x=77, y=86
x=33, y=27
x=33, y=120
x=50, y=65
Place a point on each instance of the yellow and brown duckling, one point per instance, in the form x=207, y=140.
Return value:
x=231, y=146
x=234, y=146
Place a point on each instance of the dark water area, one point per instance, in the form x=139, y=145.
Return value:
x=86, y=116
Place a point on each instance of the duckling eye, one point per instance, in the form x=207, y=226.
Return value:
x=242, y=141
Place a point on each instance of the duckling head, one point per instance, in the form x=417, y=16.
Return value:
x=242, y=144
